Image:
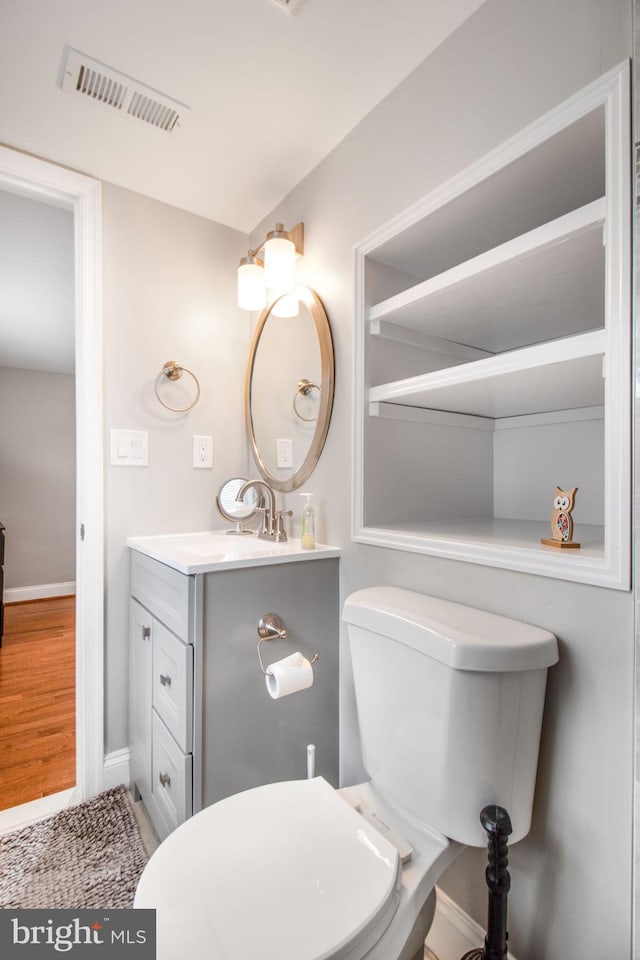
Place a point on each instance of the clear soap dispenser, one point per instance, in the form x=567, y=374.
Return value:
x=308, y=534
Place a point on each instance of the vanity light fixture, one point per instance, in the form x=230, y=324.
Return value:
x=287, y=305
x=275, y=272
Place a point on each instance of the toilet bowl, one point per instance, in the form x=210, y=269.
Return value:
x=449, y=707
x=294, y=870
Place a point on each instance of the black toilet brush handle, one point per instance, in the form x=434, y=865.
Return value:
x=497, y=824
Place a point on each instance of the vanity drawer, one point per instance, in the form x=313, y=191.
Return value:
x=173, y=685
x=164, y=592
x=171, y=776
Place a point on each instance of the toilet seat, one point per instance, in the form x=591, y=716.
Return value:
x=286, y=870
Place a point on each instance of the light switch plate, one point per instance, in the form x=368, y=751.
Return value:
x=129, y=448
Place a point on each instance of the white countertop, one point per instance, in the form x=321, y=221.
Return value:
x=211, y=550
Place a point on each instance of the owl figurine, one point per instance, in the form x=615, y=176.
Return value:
x=561, y=519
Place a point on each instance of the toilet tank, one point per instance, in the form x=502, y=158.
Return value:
x=449, y=703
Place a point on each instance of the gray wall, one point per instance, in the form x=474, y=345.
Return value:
x=169, y=294
x=508, y=64
x=37, y=328
x=37, y=476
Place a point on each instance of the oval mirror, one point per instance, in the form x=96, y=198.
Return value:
x=289, y=390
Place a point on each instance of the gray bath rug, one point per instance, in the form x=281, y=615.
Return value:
x=88, y=856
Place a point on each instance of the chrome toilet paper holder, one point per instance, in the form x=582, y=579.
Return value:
x=272, y=627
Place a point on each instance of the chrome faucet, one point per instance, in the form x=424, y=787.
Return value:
x=272, y=522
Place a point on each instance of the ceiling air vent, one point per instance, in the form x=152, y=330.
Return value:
x=83, y=76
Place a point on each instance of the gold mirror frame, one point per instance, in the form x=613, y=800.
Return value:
x=314, y=305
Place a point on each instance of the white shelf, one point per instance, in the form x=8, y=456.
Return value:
x=494, y=301
x=511, y=544
x=549, y=376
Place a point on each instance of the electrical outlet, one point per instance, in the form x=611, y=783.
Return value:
x=203, y=452
x=284, y=454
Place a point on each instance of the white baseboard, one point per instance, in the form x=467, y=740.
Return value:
x=453, y=932
x=21, y=816
x=116, y=769
x=42, y=591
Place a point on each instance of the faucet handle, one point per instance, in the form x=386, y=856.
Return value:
x=281, y=535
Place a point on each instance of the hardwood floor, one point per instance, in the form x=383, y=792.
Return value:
x=37, y=700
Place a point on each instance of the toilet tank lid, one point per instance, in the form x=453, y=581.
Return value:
x=459, y=636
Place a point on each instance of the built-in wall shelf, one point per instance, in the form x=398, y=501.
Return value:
x=493, y=301
x=493, y=353
x=548, y=376
x=497, y=542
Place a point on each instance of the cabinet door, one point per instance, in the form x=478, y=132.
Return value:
x=171, y=780
x=173, y=684
x=140, y=666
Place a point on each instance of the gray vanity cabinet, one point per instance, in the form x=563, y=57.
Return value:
x=247, y=738
x=161, y=647
x=202, y=725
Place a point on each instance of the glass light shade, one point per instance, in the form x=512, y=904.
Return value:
x=280, y=265
x=251, y=286
x=286, y=306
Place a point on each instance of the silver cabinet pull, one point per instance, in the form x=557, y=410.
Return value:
x=165, y=680
x=146, y=633
x=165, y=780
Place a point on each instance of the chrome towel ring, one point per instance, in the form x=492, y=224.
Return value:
x=304, y=387
x=173, y=371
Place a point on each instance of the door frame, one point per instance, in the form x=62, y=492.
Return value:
x=41, y=180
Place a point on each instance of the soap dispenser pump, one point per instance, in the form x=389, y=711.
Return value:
x=308, y=533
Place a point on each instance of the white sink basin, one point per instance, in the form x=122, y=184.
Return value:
x=212, y=550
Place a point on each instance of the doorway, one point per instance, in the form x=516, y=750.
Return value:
x=56, y=186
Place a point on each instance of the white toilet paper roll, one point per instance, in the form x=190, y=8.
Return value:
x=288, y=676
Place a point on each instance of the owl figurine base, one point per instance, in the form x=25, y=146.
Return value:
x=562, y=521
x=561, y=544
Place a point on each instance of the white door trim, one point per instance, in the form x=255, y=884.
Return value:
x=53, y=184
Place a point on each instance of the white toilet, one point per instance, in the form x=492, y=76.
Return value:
x=450, y=704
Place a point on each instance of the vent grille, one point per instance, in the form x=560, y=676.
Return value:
x=102, y=88
x=153, y=112
x=81, y=75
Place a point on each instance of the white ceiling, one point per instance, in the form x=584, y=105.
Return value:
x=270, y=93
